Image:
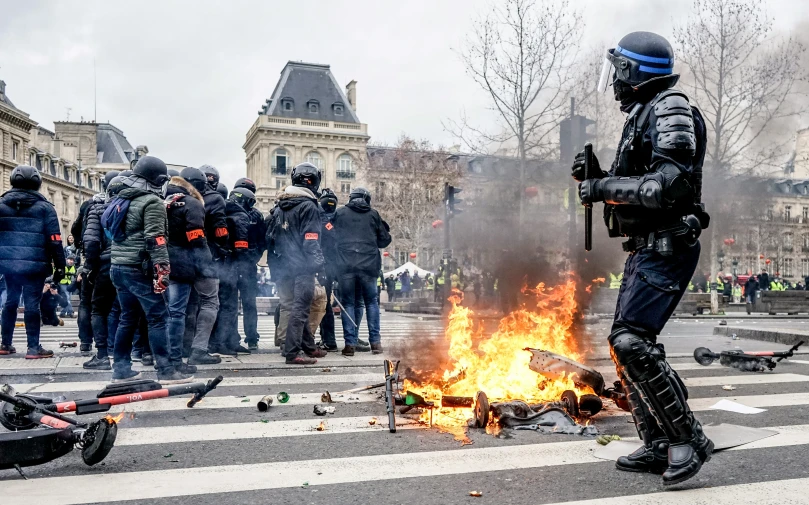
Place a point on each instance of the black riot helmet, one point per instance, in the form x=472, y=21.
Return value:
x=360, y=193
x=640, y=61
x=195, y=177
x=243, y=197
x=112, y=174
x=222, y=190
x=212, y=174
x=153, y=170
x=244, y=182
x=306, y=175
x=115, y=185
x=328, y=201
x=173, y=172
x=25, y=177
x=126, y=173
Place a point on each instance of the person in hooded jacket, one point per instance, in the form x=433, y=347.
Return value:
x=248, y=282
x=97, y=251
x=216, y=234
x=360, y=233
x=192, y=268
x=85, y=285
x=328, y=206
x=140, y=269
x=30, y=249
x=293, y=241
x=226, y=339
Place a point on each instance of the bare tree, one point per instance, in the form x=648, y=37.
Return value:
x=743, y=79
x=522, y=55
x=407, y=182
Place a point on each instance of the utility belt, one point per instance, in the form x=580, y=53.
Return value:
x=666, y=240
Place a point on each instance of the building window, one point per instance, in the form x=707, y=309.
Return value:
x=280, y=183
x=787, y=240
x=787, y=213
x=805, y=213
x=751, y=239
x=805, y=267
x=64, y=206
x=314, y=158
x=66, y=173
x=401, y=257
x=345, y=167
x=806, y=242
x=313, y=106
x=345, y=187
x=280, y=160
x=15, y=146
x=769, y=213
x=32, y=159
x=53, y=167
x=379, y=195
x=787, y=267
x=287, y=104
x=338, y=109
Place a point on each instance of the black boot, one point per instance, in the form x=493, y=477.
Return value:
x=686, y=459
x=653, y=456
x=652, y=459
x=200, y=357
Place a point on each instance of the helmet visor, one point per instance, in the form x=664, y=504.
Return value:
x=606, y=71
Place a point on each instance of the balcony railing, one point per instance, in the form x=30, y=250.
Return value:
x=346, y=174
x=279, y=170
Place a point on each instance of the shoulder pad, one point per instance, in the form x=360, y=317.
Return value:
x=675, y=123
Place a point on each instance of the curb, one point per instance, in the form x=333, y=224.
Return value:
x=789, y=337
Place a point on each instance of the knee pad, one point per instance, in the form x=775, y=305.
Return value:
x=637, y=356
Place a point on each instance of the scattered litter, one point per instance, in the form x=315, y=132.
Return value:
x=321, y=426
x=736, y=407
x=733, y=336
x=606, y=439
x=132, y=415
x=320, y=410
x=265, y=421
x=62, y=345
x=372, y=421
x=326, y=370
x=476, y=494
x=326, y=398
x=728, y=388
x=246, y=400
x=723, y=323
x=283, y=397
x=264, y=404
x=305, y=484
x=169, y=455
x=174, y=461
x=241, y=396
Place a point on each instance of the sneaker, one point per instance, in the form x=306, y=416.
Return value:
x=376, y=348
x=300, y=359
x=252, y=346
x=348, y=350
x=97, y=364
x=199, y=357
x=360, y=347
x=222, y=353
x=241, y=350
x=7, y=349
x=363, y=342
x=186, y=369
x=38, y=352
x=326, y=347
x=125, y=376
x=61, y=322
x=174, y=377
x=147, y=360
x=86, y=347
x=318, y=353
x=137, y=356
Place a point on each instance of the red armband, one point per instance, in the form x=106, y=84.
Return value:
x=56, y=238
x=240, y=244
x=194, y=234
x=221, y=232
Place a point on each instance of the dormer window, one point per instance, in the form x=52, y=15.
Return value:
x=313, y=106
x=338, y=109
x=287, y=104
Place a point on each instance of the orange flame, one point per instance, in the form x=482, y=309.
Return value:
x=497, y=364
x=598, y=280
x=116, y=419
x=321, y=426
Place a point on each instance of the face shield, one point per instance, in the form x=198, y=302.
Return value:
x=607, y=69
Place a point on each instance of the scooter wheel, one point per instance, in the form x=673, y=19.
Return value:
x=590, y=405
x=571, y=403
x=99, y=439
x=481, y=410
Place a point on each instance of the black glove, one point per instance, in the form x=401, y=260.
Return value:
x=590, y=191
x=578, y=168
x=58, y=275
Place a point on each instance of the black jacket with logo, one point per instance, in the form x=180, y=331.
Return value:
x=359, y=233
x=293, y=235
x=188, y=247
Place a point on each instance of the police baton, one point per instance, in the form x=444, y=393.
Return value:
x=344, y=311
x=588, y=207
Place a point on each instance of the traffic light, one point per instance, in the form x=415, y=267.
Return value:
x=451, y=202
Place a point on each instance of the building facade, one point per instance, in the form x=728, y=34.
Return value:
x=308, y=118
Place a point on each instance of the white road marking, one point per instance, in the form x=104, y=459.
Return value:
x=747, y=379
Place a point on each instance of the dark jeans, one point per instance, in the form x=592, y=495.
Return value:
x=67, y=307
x=103, y=299
x=226, y=334
x=31, y=290
x=301, y=291
x=652, y=287
x=135, y=292
x=85, y=310
x=47, y=309
x=248, y=290
x=354, y=286
x=327, y=323
x=179, y=293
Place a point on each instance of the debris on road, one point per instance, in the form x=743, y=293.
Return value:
x=168, y=455
x=283, y=397
x=476, y=494
x=326, y=398
x=264, y=404
x=321, y=426
x=728, y=388
x=62, y=345
x=372, y=421
x=723, y=323
x=606, y=439
x=320, y=410
x=265, y=421
x=736, y=407
x=246, y=400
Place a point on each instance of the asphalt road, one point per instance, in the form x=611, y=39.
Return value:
x=225, y=451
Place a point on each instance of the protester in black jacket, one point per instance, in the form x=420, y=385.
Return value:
x=30, y=250
x=192, y=269
x=360, y=233
x=226, y=339
x=328, y=205
x=293, y=242
x=248, y=282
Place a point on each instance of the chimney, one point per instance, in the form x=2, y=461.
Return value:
x=3, y=89
x=351, y=92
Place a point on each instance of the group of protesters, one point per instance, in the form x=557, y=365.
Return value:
x=160, y=260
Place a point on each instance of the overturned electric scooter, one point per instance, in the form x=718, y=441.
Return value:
x=745, y=361
x=39, y=432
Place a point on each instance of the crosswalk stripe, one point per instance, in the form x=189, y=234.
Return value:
x=748, y=379
x=233, y=478
x=323, y=378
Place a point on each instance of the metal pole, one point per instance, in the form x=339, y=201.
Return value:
x=447, y=249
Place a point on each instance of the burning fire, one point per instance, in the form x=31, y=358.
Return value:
x=116, y=419
x=497, y=364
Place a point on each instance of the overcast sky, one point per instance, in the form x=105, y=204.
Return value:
x=186, y=78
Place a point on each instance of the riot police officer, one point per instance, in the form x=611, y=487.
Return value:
x=248, y=283
x=652, y=196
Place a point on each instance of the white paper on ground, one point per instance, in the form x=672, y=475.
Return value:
x=736, y=407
